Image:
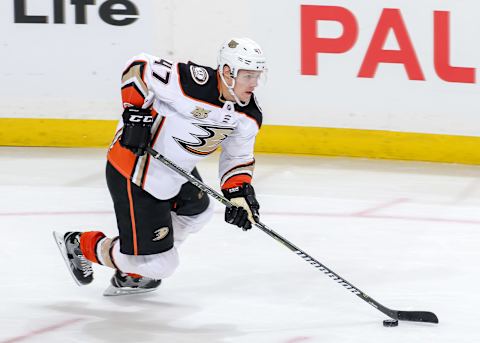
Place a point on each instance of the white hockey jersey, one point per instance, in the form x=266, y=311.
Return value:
x=191, y=121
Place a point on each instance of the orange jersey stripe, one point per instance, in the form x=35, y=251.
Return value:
x=132, y=217
x=147, y=165
x=122, y=159
x=131, y=95
x=145, y=171
x=237, y=180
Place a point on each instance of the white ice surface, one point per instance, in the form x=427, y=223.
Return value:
x=407, y=234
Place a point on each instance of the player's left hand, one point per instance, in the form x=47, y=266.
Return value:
x=245, y=210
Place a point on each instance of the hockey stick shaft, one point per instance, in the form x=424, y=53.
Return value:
x=400, y=315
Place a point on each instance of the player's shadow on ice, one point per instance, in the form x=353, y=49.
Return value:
x=139, y=318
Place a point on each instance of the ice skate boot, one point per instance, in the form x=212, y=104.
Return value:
x=123, y=284
x=79, y=267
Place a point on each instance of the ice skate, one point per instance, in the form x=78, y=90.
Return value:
x=79, y=267
x=124, y=284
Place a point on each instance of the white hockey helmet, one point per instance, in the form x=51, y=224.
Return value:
x=241, y=53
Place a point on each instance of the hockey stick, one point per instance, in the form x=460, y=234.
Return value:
x=413, y=316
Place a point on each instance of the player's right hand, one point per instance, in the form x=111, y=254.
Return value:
x=137, y=125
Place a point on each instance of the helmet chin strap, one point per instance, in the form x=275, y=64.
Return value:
x=230, y=90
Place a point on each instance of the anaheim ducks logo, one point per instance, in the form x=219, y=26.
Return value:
x=205, y=143
x=160, y=233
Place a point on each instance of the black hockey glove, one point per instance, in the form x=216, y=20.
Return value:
x=245, y=209
x=137, y=123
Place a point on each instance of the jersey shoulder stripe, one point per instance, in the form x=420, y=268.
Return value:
x=252, y=110
x=134, y=88
x=201, y=83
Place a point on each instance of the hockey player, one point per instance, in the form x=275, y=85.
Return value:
x=184, y=111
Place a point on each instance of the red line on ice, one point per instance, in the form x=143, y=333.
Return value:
x=288, y=214
x=298, y=339
x=56, y=213
x=378, y=216
x=40, y=331
x=380, y=207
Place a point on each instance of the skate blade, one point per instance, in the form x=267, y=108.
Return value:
x=58, y=237
x=112, y=291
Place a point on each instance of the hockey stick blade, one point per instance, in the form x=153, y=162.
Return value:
x=413, y=316
x=417, y=316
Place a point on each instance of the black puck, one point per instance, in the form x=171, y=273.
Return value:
x=390, y=323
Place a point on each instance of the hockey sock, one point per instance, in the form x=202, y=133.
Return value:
x=88, y=244
x=135, y=276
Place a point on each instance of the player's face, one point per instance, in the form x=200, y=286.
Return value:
x=245, y=83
